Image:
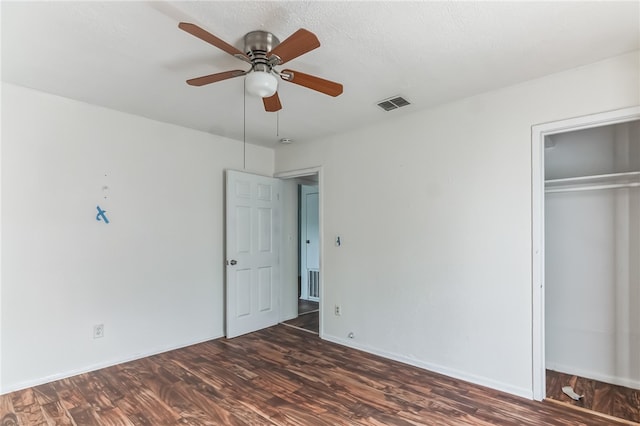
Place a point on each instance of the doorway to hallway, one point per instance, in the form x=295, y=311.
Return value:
x=303, y=251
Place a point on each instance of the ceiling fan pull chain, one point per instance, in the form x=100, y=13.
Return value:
x=244, y=126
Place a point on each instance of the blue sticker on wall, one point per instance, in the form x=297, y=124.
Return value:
x=101, y=215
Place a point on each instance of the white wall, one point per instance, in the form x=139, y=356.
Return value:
x=434, y=211
x=592, y=248
x=581, y=153
x=153, y=276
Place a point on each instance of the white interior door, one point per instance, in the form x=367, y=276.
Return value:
x=310, y=247
x=252, y=252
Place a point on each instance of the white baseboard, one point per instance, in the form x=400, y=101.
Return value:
x=479, y=380
x=456, y=374
x=58, y=376
x=594, y=375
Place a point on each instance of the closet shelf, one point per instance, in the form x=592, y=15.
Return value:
x=593, y=182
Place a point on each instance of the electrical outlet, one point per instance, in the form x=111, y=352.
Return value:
x=338, y=310
x=98, y=331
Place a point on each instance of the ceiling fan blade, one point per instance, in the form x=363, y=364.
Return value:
x=298, y=43
x=204, y=35
x=318, y=84
x=212, y=78
x=272, y=103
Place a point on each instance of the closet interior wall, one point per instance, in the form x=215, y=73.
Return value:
x=592, y=253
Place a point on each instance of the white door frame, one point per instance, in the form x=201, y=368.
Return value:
x=308, y=172
x=538, y=134
x=302, y=250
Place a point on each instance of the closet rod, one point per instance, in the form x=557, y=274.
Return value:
x=592, y=177
x=593, y=187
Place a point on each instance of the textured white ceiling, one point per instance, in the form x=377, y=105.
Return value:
x=131, y=56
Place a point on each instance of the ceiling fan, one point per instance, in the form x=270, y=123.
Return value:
x=264, y=51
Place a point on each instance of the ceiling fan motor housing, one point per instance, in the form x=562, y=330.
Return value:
x=256, y=45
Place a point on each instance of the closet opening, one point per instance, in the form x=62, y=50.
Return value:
x=587, y=263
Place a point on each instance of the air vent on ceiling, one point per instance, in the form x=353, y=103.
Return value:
x=393, y=103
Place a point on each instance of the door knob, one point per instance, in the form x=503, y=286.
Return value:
x=232, y=262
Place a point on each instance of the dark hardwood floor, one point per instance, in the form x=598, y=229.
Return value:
x=308, y=317
x=277, y=376
x=309, y=321
x=605, y=398
x=306, y=306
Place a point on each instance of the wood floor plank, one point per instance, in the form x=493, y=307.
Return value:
x=28, y=410
x=113, y=416
x=309, y=321
x=281, y=376
x=604, y=398
x=305, y=306
x=56, y=414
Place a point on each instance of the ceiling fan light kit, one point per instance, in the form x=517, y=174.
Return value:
x=261, y=83
x=264, y=51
